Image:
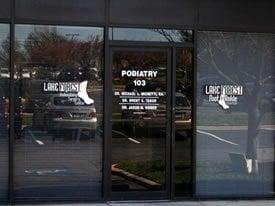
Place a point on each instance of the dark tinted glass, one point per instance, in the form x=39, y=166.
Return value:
x=158, y=35
x=58, y=106
x=235, y=114
x=139, y=120
x=4, y=108
x=183, y=118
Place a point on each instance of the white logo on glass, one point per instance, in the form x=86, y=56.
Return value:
x=83, y=93
x=223, y=95
x=69, y=89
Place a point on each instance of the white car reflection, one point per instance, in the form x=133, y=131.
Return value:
x=63, y=112
x=183, y=112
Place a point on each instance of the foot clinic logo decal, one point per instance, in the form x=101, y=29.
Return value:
x=78, y=89
x=224, y=95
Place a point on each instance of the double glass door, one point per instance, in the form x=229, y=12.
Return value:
x=151, y=122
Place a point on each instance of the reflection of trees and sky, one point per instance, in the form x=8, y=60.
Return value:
x=4, y=101
x=235, y=146
x=157, y=35
x=59, y=49
x=58, y=144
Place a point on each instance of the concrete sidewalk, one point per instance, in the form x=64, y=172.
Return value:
x=178, y=203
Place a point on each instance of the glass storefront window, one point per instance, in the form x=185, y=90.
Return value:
x=235, y=114
x=153, y=35
x=4, y=108
x=58, y=112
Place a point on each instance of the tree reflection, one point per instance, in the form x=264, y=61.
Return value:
x=247, y=60
x=57, y=53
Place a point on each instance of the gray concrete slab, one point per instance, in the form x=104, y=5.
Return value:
x=239, y=203
x=201, y=203
x=177, y=203
x=160, y=204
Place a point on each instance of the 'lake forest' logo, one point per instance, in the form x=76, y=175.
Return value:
x=224, y=95
x=78, y=89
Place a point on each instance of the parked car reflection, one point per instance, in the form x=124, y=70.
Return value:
x=133, y=120
x=4, y=73
x=183, y=112
x=66, y=113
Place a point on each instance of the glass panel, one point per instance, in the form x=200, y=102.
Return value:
x=157, y=35
x=139, y=120
x=235, y=114
x=183, y=130
x=4, y=108
x=59, y=110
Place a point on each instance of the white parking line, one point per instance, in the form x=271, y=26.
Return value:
x=269, y=129
x=216, y=137
x=220, y=128
x=129, y=138
x=33, y=137
x=133, y=140
x=39, y=142
x=120, y=133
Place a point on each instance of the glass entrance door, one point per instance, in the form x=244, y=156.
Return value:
x=151, y=130
x=140, y=120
